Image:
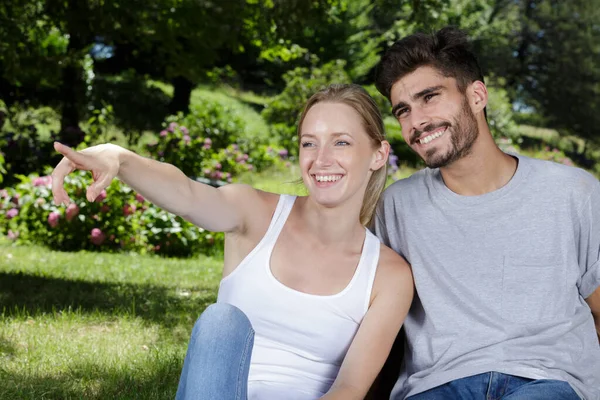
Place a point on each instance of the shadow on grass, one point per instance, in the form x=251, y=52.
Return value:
x=7, y=348
x=23, y=294
x=155, y=380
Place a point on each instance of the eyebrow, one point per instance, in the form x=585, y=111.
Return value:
x=417, y=96
x=335, y=134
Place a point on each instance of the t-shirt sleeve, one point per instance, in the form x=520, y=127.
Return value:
x=378, y=226
x=589, y=243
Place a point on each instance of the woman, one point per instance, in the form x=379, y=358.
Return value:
x=310, y=302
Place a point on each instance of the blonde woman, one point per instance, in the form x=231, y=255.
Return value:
x=310, y=301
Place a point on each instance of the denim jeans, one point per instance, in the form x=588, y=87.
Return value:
x=218, y=356
x=498, y=386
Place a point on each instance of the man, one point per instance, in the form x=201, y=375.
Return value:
x=505, y=249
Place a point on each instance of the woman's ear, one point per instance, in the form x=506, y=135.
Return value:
x=380, y=157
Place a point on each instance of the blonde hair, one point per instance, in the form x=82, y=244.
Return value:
x=359, y=99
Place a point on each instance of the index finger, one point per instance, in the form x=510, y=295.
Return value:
x=68, y=152
x=62, y=169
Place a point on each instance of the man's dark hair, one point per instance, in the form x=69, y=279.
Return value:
x=447, y=51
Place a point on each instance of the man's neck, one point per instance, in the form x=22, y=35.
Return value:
x=484, y=170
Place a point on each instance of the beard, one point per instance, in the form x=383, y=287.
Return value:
x=463, y=134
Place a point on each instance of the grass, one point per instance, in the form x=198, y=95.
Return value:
x=89, y=325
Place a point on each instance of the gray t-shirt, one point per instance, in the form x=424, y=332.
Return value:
x=501, y=278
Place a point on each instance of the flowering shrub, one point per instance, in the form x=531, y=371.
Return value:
x=198, y=157
x=119, y=220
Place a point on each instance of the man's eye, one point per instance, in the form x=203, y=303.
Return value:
x=430, y=96
x=401, y=112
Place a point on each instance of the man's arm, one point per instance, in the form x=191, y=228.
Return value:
x=594, y=303
x=393, y=294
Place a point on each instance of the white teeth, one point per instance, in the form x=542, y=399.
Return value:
x=327, y=178
x=432, y=137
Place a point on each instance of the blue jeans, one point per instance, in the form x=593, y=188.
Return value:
x=496, y=386
x=218, y=357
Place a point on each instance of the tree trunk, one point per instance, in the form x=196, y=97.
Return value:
x=73, y=85
x=182, y=92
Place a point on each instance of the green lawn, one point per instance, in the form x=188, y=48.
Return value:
x=90, y=325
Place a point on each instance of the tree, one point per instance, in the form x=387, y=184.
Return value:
x=559, y=72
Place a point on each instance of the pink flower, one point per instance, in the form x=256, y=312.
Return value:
x=218, y=175
x=13, y=212
x=139, y=198
x=163, y=133
x=208, y=141
x=40, y=201
x=184, y=130
x=128, y=209
x=172, y=126
x=206, y=171
x=206, y=146
x=101, y=196
x=43, y=181
x=53, y=219
x=3, y=194
x=218, y=166
x=72, y=211
x=186, y=139
x=15, y=199
x=12, y=235
x=98, y=237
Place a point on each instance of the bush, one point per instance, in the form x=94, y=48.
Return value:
x=199, y=156
x=500, y=114
x=119, y=220
x=26, y=139
x=285, y=108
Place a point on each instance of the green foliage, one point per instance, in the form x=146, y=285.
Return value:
x=500, y=113
x=2, y=167
x=198, y=157
x=145, y=110
x=119, y=220
x=26, y=140
x=301, y=83
x=558, y=64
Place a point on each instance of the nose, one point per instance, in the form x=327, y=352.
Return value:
x=419, y=119
x=324, y=157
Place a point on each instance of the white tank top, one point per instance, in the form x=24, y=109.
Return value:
x=300, y=339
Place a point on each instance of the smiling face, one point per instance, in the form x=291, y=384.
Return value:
x=337, y=156
x=436, y=118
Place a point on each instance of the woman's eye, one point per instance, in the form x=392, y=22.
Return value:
x=306, y=144
x=341, y=143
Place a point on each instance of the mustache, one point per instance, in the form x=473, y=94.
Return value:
x=427, y=129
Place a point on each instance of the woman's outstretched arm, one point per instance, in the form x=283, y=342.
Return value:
x=218, y=210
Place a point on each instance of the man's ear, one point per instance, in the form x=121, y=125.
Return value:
x=478, y=96
x=381, y=156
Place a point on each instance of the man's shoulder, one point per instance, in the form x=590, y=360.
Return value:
x=562, y=177
x=411, y=184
